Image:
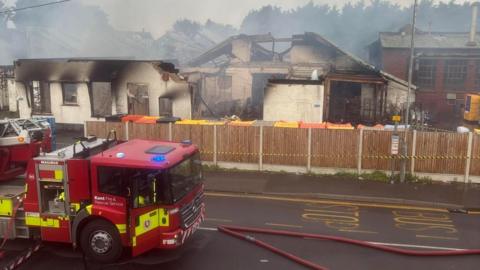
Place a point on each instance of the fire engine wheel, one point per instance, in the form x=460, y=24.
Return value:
x=101, y=242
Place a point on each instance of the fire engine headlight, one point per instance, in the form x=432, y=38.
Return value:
x=21, y=139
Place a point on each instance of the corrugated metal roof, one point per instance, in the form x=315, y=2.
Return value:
x=435, y=40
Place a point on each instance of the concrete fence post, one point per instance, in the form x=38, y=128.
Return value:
x=309, y=150
x=215, y=145
x=469, y=157
x=260, y=150
x=85, y=131
x=127, y=134
x=414, y=152
x=170, y=131
x=360, y=151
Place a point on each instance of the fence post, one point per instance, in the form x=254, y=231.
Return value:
x=127, y=135
x=414, y=152
x=469, y=157
x=360, y=152
x=85, y=132
x=260, y=150
x=309, y=150
x=170, y=135
x=215, y=145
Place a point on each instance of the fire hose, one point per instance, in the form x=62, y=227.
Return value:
x=235, y=231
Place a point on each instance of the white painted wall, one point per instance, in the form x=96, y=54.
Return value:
x=21, y=93
x=139, y=72
x=241, y=83
x=293, y=102
x=64, y=114
x=70, y=114
x=8, y=96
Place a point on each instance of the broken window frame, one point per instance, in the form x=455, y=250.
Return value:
x=425, y=72
x=38, y=105
x=69, y=103
x=455, y=73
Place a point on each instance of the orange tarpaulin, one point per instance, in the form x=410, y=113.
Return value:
x=339, y=126
x=312, y=125
x=131, y=117
x=147, y=120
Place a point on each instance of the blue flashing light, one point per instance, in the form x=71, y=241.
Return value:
x=158, y=158
x=120, y=155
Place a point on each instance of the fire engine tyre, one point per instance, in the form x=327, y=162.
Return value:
x=101, y=242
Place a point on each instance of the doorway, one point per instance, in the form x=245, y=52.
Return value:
x=165, y=107
x=345, y=102
x=138, y=98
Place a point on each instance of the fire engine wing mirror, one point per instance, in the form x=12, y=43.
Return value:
x=129, y=192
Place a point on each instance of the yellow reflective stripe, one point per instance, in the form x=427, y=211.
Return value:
x=134, y=241
x=58, y=174
x=32, y=219
x=122, y=228
x=163, y=217
x=50, y=222
x=75, y=206
x=6, y=207
x=89, y=209
x=147, y=222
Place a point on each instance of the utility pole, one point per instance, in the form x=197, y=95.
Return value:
x=409, y=90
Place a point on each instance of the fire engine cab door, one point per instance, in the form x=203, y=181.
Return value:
x=144, y=216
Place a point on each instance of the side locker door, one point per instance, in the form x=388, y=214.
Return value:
x=144, y=217
x=52, y=195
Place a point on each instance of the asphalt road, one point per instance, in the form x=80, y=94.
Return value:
x=399, y=226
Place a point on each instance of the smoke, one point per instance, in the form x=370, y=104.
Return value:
x=114, y=28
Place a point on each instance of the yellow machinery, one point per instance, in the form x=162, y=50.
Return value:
x=472, y=108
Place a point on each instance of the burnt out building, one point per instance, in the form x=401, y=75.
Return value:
x=231, y=78
x=76, y=90
x=446, y=66
x=7, y=83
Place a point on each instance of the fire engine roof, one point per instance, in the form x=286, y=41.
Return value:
x=138, y=153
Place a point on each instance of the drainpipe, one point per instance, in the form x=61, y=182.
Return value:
x=473, y=28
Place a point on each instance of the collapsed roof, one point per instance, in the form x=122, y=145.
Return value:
x=259, y=52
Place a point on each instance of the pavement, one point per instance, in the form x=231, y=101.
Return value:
x=454, y=196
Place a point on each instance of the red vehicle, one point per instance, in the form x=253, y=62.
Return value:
x=109, y=197
x=20, y=141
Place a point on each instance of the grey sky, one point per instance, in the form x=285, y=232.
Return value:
x=157, y=16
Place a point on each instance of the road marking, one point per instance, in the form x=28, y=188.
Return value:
x=436, y=237
x=375, y=243
x=218, y=219
x=283, y=225
x=356, y=231
x=414, y=246
x=298, y=200
x=207, y=229
x=426, y=223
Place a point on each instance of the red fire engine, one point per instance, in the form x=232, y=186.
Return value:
x=20, y=141
x=108, y=196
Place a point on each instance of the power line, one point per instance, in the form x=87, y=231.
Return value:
x=36, y=6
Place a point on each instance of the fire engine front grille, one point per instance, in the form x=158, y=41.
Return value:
x=190, y=211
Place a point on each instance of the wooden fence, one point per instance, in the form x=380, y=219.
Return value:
x=429, y=152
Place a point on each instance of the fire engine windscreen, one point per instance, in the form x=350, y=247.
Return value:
x=147, y=187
